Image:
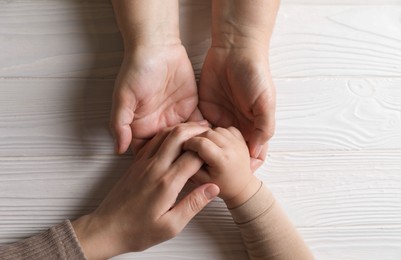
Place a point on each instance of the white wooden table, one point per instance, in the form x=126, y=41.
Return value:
x=334, y=163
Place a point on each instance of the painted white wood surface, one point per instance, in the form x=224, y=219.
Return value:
x=80, y=39
x=326, y=194
x=70, y=116
x=334, y=163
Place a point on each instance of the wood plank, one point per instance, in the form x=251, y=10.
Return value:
x=326, y=244
x=355, y=243
x=81, y=39
x=317, y=190
x=57, y=39
x=337, y=189
x=346, y=205
x=55, y=117
x=337, y=40
x=337, y=114
x=40, y=117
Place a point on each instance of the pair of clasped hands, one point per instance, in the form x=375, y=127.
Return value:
x=160, y=112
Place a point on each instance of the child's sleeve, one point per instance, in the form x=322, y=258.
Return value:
x=266, y=231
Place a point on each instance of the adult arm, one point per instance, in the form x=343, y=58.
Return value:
x=139, y=212
x=59, y=242
x=236, y=88
x=156, y=86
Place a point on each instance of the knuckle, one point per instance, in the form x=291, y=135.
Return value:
x=171, y=230
x=203, y=143
x=164, y=183
x=234, y=130
x=195, y=203
x=270, y=132
x=178, y=131
x=208, y=133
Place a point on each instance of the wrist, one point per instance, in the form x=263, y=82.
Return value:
x=244, y=195
x=151, y=22
x=94, y=244
x=243, y=23
x=155, y=35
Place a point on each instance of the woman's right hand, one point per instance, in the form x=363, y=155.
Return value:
x=141, y=209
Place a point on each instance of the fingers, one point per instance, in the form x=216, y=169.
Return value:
x=185, y=167
x=185, y=210
x=234, y=131
x=195, y=116
x=219, y=136
x=122, y=115
x=264, y=123
x=147, y=148
x=205, y=148
x=257, y=162
x=201, y=177
x=171, y=147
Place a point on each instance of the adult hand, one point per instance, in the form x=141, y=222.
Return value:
x=236, y=89
x=140, y=210
x=155, y=89
x=156, y=85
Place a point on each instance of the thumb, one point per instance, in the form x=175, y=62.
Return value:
x=263, y=125
x=195, y=116
x=192, y=204
x=122, y=115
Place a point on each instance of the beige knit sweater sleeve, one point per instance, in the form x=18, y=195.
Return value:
x=266, y=231
x=58, y=242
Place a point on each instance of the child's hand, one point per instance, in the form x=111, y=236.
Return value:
x=141, y=209
x=227, y=164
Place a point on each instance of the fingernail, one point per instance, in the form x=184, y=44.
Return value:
x=257, y=151
x=211, y=192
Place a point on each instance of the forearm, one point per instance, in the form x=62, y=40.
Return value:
x=150, y=22
x=243, y=23
x=58, y=242
x=266, y=230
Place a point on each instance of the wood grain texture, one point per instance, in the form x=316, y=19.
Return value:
x=343, y=203
x=338, y=114
x=40, y=117
x=81, y=39
x=55, y=117
x=337, y=40
x=355, y=243
x=334, y=162
x=338, y=189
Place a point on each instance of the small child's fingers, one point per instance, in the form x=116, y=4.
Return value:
x=234, y=131
x=205, y=148
x=170, y=149
x=223, y=131
x=217, y=138
x=186, y=166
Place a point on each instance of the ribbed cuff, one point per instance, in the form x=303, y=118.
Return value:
x=58, y=242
